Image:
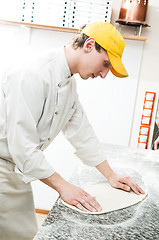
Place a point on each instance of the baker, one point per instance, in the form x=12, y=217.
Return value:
x=38, y=100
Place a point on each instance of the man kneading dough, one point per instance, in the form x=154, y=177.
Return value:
x=38, y=100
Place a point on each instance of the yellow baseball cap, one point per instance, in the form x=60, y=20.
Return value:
x=108, y=37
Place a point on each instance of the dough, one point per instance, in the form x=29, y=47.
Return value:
x=109, y=198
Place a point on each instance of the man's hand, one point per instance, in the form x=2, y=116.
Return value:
x=156, y=143
x=71, y=194
x=118, y=181
x=78, y=197
x=125, y=183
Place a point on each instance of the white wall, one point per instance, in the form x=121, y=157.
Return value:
x=149, y=71
x=149, y=74
x=110, y=102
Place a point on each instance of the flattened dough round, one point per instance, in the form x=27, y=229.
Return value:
x=109, y=198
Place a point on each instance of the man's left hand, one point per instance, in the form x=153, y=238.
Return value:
x=125, y=183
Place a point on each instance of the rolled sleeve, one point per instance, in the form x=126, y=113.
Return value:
x=81, y=135
x=24, y=99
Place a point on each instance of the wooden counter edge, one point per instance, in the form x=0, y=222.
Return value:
x=42, y=211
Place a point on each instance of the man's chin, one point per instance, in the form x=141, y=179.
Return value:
x=84, y=77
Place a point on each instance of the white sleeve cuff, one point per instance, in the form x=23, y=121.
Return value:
x=36, y=167
x=91, y=157
x=43, y=175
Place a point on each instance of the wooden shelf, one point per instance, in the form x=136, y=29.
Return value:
x=63, y=29
x=134, y=37
x=45, y=27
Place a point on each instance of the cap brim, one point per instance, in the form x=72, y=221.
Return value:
x=118, y=68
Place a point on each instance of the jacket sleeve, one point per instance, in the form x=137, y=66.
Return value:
x=24, y=99
x=80, y=134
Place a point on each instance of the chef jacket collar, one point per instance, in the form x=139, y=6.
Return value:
x=64, y=68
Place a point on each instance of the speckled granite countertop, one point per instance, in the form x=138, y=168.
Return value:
x=137, y=222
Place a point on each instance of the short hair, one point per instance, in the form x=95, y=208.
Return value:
x=79, y=41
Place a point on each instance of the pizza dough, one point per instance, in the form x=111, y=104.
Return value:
x=109, y=198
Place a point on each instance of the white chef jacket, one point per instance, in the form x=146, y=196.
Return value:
x=37, y=101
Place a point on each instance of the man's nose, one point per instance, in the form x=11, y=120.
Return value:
x=104, y=73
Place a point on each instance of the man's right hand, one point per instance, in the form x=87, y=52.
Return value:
x=78, y=197
x=71, y=194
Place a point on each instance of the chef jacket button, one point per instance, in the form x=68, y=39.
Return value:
x=59, y=84
x=73, y=105
x=49, y=139
x=56, y=113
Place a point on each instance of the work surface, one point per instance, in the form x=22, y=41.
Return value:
x=140, y=221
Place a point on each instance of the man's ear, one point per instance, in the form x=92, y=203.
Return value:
x=89, y=44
